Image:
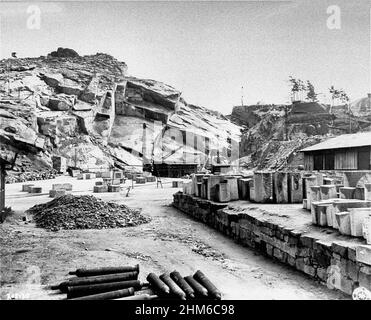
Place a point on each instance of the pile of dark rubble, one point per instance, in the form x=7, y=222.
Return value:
x=84, y=212
x=14, y=177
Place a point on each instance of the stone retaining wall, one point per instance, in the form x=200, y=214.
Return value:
x=332, y=263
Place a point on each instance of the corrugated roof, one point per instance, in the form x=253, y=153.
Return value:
x=360, y=139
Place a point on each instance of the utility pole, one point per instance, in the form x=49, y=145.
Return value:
x=286, y=123
x=242, y=96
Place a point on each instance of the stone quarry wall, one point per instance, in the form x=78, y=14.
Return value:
x=336, y=264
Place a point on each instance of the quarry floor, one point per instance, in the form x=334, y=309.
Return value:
x=33, y=258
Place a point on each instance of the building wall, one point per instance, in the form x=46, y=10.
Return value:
x=340, y=159
x=346, y=160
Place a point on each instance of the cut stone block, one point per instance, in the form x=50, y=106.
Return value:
x=150, y=179
x=309, y=182
x=114, y=188
x=92, y=175
x=26, y=187
x=281, y=187
x=100, y=189
x=367, y=191
x=319, y=213
x=204, y=188
x=213, y=181
x=340, y=205
x=35, y=190
x=305, y=205
x=295, y=187
x=107, y=181
x=263, y=186
x=107, y=174
x=98, y=174
x=62, y=186
x=359, y=193
x=327, y=181
x=223, y=192
x=343, y=221
x=187, y=187
x=328, y=192
x=199, y=189
x=366, y=229
x=252, y=190
x=347, y=192
x=197, y=179
x=140, y=180
x=315, y=194
x=233, y=186
x=244, y=189
x=75, y=173
x=363, y=254
x=118, y=174
x=116, y=181
x=177, y=184
x=57, y=193
x=357, y=215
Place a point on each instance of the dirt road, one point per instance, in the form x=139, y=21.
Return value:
x=33, y=258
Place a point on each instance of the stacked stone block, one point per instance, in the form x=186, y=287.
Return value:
x=335, y=264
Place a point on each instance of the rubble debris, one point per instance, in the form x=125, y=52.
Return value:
x=30, y=176
x=84, y=212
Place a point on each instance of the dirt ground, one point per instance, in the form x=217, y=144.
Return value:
x=33, y=259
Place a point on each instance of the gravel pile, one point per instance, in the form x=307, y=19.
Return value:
x=84, y=212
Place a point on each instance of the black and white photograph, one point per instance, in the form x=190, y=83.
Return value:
x=185, y=155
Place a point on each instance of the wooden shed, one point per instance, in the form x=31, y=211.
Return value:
x=344, y=152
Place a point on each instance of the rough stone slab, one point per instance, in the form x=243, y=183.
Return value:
x=347, y=192
x=140, y=180
x=357, y=215
x=100, y=189
x=26, y=187
x=363, y=254
x=35, y=190
x=114, y=188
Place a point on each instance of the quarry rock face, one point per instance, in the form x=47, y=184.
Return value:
x=88, y=110
x=273, y=135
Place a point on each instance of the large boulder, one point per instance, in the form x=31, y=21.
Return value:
x=64, y=53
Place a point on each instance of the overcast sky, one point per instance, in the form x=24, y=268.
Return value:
x=208, y=50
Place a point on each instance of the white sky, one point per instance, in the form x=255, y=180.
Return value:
x=208, y=50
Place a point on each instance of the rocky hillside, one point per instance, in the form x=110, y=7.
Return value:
x=274, y=134
x=90, y=111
